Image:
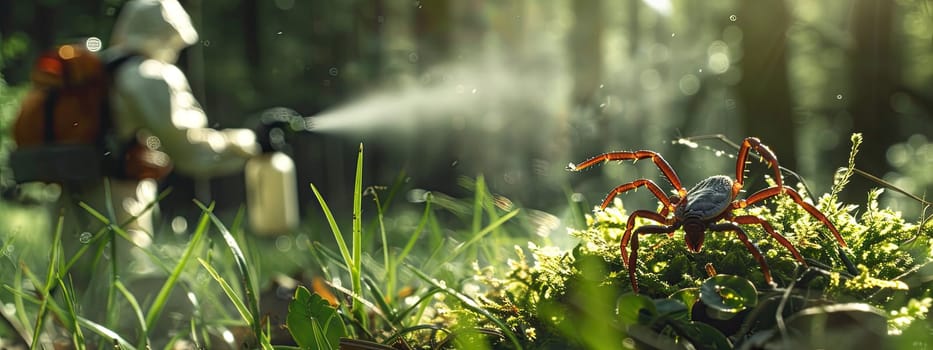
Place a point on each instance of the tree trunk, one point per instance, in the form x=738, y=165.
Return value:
x=6, y=31
x=764, y=91
x=586, y=50
x=433, y=32
x=252, y=46
x=874, y=68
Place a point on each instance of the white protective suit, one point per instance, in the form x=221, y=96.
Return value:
x=152, y=101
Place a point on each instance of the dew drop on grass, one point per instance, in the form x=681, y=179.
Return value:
x=688, y=143
x=85, y=237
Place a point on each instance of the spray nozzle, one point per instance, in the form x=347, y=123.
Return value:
x=276, y=126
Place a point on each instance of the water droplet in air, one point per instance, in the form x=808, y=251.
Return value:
x=733, y=18
x=85, y=237
x=283, y=243
x=93, y=44
x=672, y=34
x=333, y=71
x=839, y=96
x=576, y=197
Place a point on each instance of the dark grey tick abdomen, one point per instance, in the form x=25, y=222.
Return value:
x=707, y=199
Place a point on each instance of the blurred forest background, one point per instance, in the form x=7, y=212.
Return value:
x=516, y=89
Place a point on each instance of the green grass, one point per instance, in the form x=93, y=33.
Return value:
x=469, y=273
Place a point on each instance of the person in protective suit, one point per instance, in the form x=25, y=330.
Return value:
x=151, y=104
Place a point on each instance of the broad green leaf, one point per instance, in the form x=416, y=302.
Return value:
x=687, y=295
x=636, y=309
x=728, y=294
x=313, y=323
x=703, y=336
x=672, y=309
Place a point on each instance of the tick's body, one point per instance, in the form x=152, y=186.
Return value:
x=706, y=207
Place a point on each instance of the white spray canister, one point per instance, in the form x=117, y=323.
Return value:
x=271, y=194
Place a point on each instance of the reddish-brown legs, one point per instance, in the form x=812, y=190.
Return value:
x=754, y=220
x=774, y=191
x=633, y=258
x=747, y=145
x=653, y=187
x=636, y=155
x=647, y=214
x=709, y=204
x=728, y=226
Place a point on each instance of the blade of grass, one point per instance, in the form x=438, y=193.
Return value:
x=323, y=252
x=380, y=299
x=341, y=244
x=231, y=294
x=76, y=334
x=479, y=197
x=20, y=306
x=577, y=216
x=50, y=280
x=105, y=332
x=489, y=203
x=52, y=305
x=102, y=232
x=45, y=303
x=387, y=263
x=246, y=275
x=418, y=230
x=156, y=309
x=482, y=233
x=357, y=242
x=469, y=304
x=420, y=305
x=138, y=312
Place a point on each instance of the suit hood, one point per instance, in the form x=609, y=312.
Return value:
x=158, y=29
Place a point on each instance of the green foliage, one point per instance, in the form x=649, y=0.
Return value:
x=313, y=323
x=546, y=296
x=892, y=255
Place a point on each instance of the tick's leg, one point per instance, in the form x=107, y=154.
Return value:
x=634, y=156
x=653, y=187
x=747, y=145
x=774, y=191
x=647, y=214
x=728, y=226
x=648, y=229
x=754, y=220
